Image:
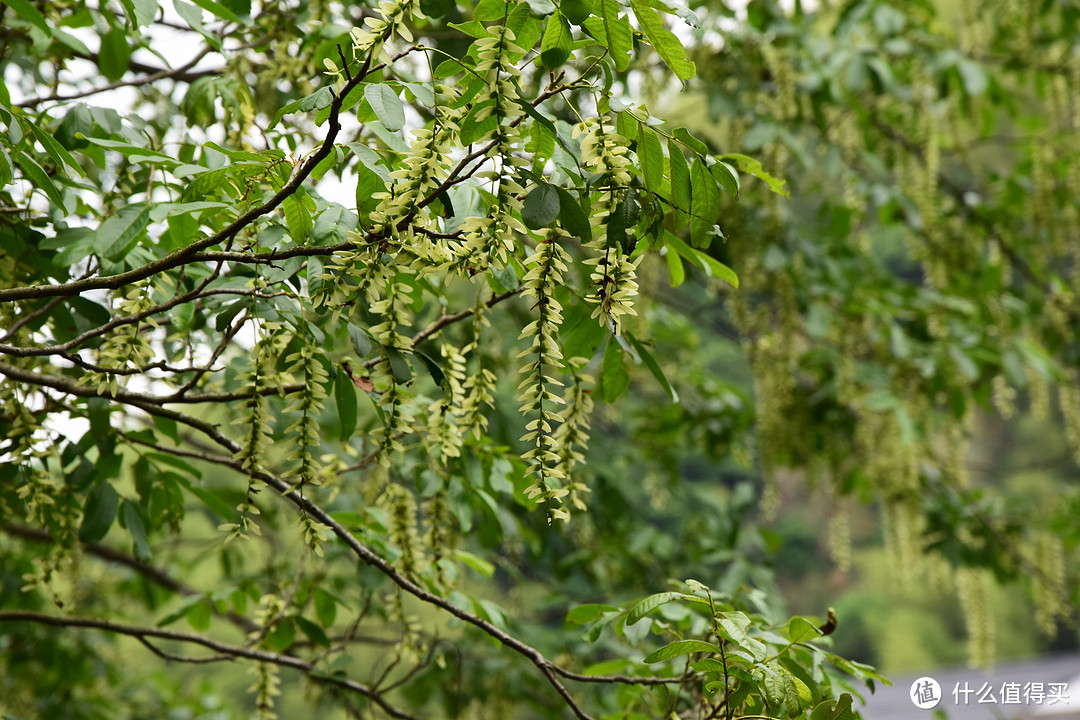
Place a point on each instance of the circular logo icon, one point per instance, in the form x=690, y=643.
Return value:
x=925, y=693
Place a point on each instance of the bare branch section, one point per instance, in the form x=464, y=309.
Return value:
x=224, y=651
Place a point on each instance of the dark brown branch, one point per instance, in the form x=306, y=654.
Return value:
x=155, y=575
x=72, y=387
x=113, y=323
x=186, y=76
x=549, y=669
x=136, y=82
x=224, y=650
x=30, y=317
x=185, y=255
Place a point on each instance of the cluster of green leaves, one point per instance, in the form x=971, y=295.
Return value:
x=914, y=296
x=194, y=314
x=750, y=666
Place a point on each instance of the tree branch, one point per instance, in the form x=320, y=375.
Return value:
x=185, y=255
x=155, y=575
x=136, y=82
x=224, y=650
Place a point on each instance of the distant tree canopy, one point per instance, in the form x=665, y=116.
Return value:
x=341, y=340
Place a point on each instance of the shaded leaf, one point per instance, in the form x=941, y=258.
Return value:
x=613, y=376
x=345, y=399
x=387, y=105
x=541, y=206
x=557, y=42
x=681, y=647
x=99, y=512
x=665, y=43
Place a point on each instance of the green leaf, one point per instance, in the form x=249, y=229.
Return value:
x=38, y=177
x=118, y=233
x=282, y=635
x=133, y=521
x=132, y=152
x=298, y=219
x=622, y=219
x=676, y=273
x=185, y=607
x=345, y=398
x=313, y=632
x=612, y=31
x=145, y=12
x=573, y=219
x=315, y=101
x=387, y=105
x=114, y=55
x=799, y=629
x=286, y=110
x=436, y=8
x=584, y=338
x=643, y=607
x=392, y=140
x=613, y=376
x=650, y=362
x=215, y=8
x=750, y=166
x=325, y=607
x=832, y=709
x=541, y=206
x=704, y=206
x=168, y=428
x=680, y=183
x=433, y=368
x=55, y=150
x=577, y=11
x=98, y=512
x=214, y=503
x=399, y=365
x=683, y=136
x=589, y=612
x=717, y=269
x=681, y=647
x=665, y=43
x=557, y=43
x=29, y=13
x=506, y=278
x=476, y=562
x=974, y=76
x=726, y=176
x=489, y=10
x=651, y=155
x=733, y=626
x=198, y=614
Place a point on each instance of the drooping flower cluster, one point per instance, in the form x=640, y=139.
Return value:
x=491, y=237
x=479, y=386
x=572, y=437
x=445, y=431
x=614, y=275
x=393, y=20
x=536, y=391
x=125, y=346
x=306, y=365
x=399, y=211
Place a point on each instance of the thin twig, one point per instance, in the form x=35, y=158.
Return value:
x=224, y=650
x=136, y=82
